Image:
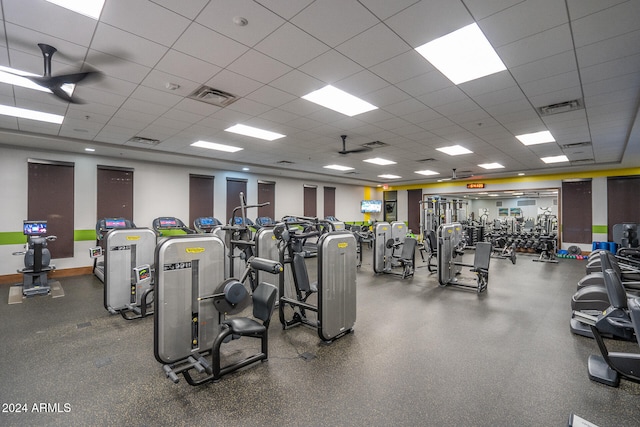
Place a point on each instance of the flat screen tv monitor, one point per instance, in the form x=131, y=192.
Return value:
x=115, y=223
x=34, y=228
x=371, y=206
x=168, y=222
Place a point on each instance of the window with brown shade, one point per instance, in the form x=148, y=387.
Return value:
x=329, y=201
x=577, y=215
x=51, y=198
x=234, y=188
x=267, y=193
x=622, y=201
x=310, y=201
x=200, y=197
x=115, y=192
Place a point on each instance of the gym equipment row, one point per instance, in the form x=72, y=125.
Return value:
x=37, y=265
x=334, y=313
x=451, y=244
x=391, y=249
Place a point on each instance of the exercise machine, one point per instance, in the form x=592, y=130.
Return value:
x=334, y=313
x=128, y=261
x=37, y=264
x=103, y=226
x=451, y=244
x=192, y=300
x=388, y=238
x=613, y=321
x=206, y=224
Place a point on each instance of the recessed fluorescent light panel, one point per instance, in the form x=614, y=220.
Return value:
x=338, y=167
x=339, y=100
x=90, y=8
x=454, y=150
x=8, y=75
x=555, y=159
x=379, y=161
x=255, y=132
x=427, y=172
x=389, y=176
x=90, y=150
x=23, y=113
x=536, y=138
x=491, y=166
x=215, y=146
x=463, y=55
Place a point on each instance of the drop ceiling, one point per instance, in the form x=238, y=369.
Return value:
x=154, y=54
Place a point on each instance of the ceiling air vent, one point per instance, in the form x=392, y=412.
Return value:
x=561, y=107
x=284, y=162
x=430, y=159
x=582, y=161
x=577, y=144
x=375, y=144
x=145, y=141
x=352, y=173
x=213, y=96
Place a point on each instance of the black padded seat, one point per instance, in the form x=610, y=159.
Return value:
x=244, y=325
x=301, y=276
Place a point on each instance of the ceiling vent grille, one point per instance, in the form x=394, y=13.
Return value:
x=375, y=144
x=577, y=144
x=213, y=96
x=582, y=161
x=561, y=107
x=145, y=141
x=284, y=162
x=430, y=159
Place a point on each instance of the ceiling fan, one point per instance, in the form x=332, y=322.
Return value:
x=355, y=150
x=55, y=83
x=454, y=176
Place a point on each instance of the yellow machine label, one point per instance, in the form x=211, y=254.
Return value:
x=400, y=227
x=385, y=228
x=133, y=237
x=273, y=237
x=449, y=231
x=343, y=245
x=194, y=250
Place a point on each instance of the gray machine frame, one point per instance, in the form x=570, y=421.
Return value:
x=125, y=250
x=387, y=238
x=336, y=289
x=188, y=268
x=450, y=246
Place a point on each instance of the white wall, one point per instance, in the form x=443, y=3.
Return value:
x=159, y=190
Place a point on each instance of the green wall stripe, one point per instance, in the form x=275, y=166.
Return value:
x=84, y=235
x=17, y=238
x=600, y=229
x=12, y=238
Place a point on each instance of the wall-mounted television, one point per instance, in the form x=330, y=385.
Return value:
x=371, y=206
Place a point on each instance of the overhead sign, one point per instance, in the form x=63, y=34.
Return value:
x=476, y=185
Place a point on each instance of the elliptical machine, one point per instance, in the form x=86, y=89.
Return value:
x=37, y=260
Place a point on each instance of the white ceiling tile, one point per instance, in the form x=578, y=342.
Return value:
x=384, y=9
x=482, y=8
x=233, y=83
x=523, y=20
x=258, y=66
x=386, y=96
x=403, y=67
x=330, y=67
x=285, y=8
x=373, y=46
x=145, y=19
x=219, y=15
x=335, y=21
x=550, y=66
x=270, y=96
x=536, y=47
x=161, y=99
x=291, y=46
x=297, y=83
x=444, y=96
x=188, y=9
x=26, y=40
x=279, y=116
x=187, y=67
x=248, y=106
x=196, y=107
x=361, y=84
x=606, y=24
x=162, y=81
x=208, y=45
x=426, y=84
x=46, y=18
x=134, y=48
x=428, y=20
x=119, y=68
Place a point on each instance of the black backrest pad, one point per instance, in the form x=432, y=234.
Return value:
x=300, y=272
x=483, y=256
x=408, y=248
x=264, y=299
x=615, y=290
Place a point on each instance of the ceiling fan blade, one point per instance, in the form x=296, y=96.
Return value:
x=57, y=91
x=355, y=150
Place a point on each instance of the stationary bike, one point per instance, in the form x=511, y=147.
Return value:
x=37, y=259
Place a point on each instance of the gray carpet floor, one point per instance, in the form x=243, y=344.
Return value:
x=420, y=355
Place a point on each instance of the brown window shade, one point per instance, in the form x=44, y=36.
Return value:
x=114, y=193
x=267, y=193
x=577, y=215
x=414, y=197
x=51, y=198
x=329, y=201
x=234, y=188
x=200, y=197
x=622, y=201
x=310, y=201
